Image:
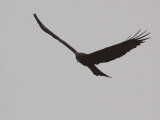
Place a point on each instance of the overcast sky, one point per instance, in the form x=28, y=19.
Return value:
x=40, y=78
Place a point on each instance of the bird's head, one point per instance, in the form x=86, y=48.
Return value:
x=80, y=56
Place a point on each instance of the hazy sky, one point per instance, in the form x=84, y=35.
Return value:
x=40, y=78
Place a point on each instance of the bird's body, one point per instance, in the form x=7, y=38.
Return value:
x=105, y=55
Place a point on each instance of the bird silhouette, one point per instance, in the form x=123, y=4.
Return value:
x=104, y=55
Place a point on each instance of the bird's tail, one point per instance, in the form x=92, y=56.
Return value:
x=96, y=71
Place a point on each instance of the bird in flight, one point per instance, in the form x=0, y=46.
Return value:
x=104, y=55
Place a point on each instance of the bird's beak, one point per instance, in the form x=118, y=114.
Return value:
x=77, y=61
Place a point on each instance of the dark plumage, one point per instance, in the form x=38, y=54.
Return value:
x=105, y=55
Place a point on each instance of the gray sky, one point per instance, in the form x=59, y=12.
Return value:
x=40, y=78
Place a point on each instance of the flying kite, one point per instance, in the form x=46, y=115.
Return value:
x=104, y=55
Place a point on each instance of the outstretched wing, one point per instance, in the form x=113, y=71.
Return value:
x=45, y=29
x=118, y=50
x=96, y=71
